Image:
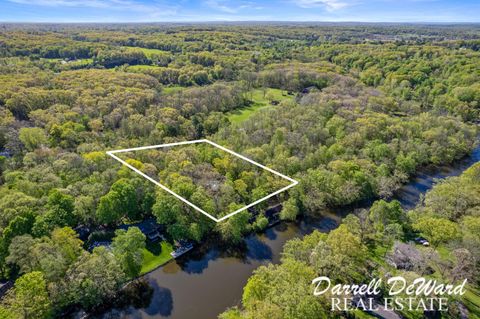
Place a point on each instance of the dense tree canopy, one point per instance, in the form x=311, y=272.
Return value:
x=351, y=112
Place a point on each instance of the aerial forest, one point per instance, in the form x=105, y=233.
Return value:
x=350, y=112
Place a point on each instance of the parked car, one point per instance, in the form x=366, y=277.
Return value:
x=422, y=241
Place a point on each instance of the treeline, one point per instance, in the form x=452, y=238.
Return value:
x=433, y=73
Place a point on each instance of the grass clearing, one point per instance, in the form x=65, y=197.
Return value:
x=155, y=255
x=444, y=252
x=149, y=52
x=261, y=100
x=172, y=89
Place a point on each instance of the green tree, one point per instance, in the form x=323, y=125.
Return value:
x=30, y=297
x=392, y=233
x=234, y=227
x=282, y=291
x=32, y=137
x=289, y=210
x=166, y=208
x=471, y=234
x=127, y=246
x=66, y=241
x=436, y=230
x=128, y=198
x=94, y=277
x=200, y=78
x=384, y=213
x=108, y=211
x=60, y=213
x=20, y=253
x=20, y=225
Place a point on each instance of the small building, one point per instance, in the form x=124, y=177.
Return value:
x=182, y=247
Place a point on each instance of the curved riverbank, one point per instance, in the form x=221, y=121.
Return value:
x=205, y=282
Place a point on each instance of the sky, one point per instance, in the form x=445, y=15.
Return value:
x=239, y=10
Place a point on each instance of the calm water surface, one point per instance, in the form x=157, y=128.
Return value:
x=208, y=280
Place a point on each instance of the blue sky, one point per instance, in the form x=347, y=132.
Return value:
x=239, y=10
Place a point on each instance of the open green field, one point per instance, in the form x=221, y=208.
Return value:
x=261, y=100
x=148, y=52
x=155, y=255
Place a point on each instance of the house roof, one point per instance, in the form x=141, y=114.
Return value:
x=147, y=226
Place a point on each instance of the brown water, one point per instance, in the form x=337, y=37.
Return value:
x=210, y=279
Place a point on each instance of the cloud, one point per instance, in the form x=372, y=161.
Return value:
x=225, y=6
x=330, y=5
x=154, y=9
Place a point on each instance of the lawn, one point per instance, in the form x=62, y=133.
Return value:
x=472, y=301
x=155, y=255
x=261, y=100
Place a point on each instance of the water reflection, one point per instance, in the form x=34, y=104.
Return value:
x=162, y=302
x=197, y=261
x=257, y=250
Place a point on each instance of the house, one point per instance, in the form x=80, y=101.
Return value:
x=149, y=227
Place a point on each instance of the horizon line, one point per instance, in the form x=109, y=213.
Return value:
x=240, y=21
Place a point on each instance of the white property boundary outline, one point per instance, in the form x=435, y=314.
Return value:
x=293, y=182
